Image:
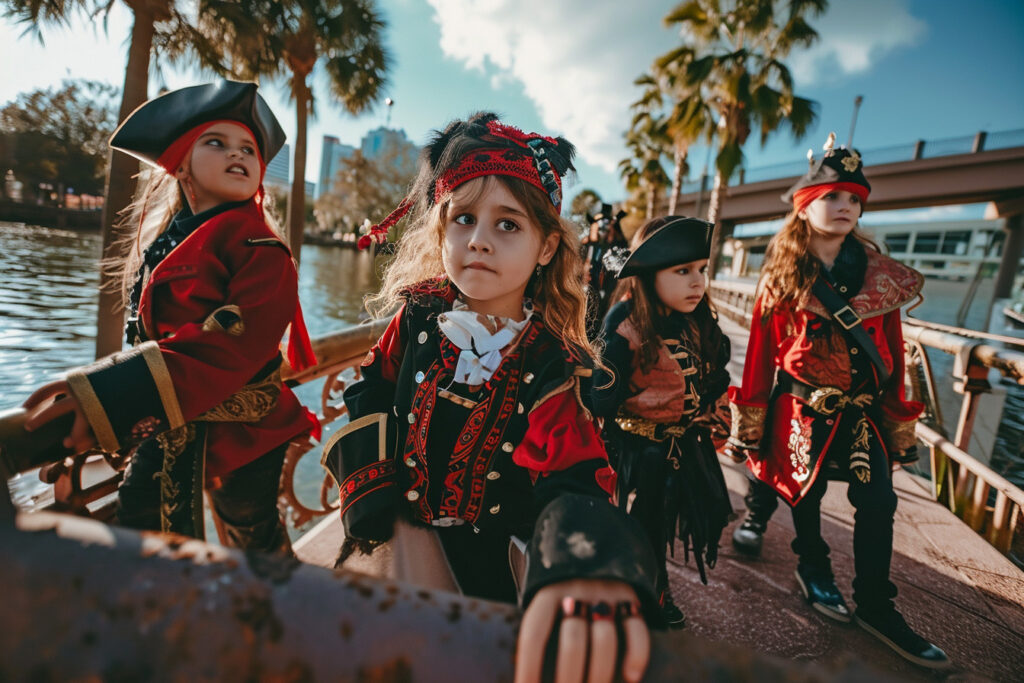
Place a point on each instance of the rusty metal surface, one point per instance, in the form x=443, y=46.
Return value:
x=85, y=601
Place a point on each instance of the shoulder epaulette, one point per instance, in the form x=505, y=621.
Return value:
x=267, y=242
x=438, y=287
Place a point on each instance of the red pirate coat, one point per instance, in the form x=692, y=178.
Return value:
x=805, y=343
x=214, y=311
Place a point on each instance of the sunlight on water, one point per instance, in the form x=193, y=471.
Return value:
x=48, y=301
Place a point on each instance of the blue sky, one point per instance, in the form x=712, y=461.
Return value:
x=927, y=69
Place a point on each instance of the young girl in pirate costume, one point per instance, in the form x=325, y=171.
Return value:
x=210, y=290
x=664, y=397
x=823, y=390
x=468, y=428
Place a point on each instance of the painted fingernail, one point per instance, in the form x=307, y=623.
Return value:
x=601, y=611
x=626, y=609
x=571, y=607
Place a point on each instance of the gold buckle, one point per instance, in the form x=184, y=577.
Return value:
x=827, y=400
x=847, y=311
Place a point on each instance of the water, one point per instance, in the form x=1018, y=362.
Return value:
x=48, y=301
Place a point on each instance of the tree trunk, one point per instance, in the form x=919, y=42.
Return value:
x=120, y=184
x=297, y=200
x=714, y=208
x=650, y=202
x=677, y=178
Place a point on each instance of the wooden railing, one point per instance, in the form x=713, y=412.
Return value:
x=988, y=503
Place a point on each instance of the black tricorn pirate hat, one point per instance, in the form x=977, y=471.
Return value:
x=679, y=240
x=157, y=124
x=836, y=165
x=606, y=212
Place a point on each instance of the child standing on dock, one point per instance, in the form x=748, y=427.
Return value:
x=823, y=393
x=210, y=290
x=663, y=397
x=469, y=430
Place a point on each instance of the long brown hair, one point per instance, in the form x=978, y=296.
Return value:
x=790, y=268
x=558, y=294
x=647, y=309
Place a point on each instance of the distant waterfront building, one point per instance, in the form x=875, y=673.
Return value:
x=278, y=173
x=374, y=144
x=331, y=154
x=377, y=141
x=936, y=248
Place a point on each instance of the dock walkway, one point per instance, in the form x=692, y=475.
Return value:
x=954, y=588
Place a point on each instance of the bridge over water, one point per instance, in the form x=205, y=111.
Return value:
x=983, y=168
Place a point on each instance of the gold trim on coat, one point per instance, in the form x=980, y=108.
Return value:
x=380, y=419
x=211, y=324
x=94, y=411
x=747, y=424
x=162, y=379
x=899, y=435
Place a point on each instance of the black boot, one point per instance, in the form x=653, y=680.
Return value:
x=889, y=627
x=820, y=590
x=673, y=615
x=761, y=503
x=749, y=536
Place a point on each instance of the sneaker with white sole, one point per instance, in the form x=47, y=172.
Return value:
x=821, y=593
x=890, y=628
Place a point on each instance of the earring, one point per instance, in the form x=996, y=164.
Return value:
x=538, y=271
x=191, y=189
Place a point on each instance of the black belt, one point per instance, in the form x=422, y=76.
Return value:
x=824, y=400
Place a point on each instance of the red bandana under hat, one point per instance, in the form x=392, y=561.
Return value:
x=806, y=195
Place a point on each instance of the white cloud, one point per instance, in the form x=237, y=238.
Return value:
x=576, y=59
x=854, y=36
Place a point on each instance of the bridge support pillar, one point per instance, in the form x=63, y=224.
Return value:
x=1013, y=249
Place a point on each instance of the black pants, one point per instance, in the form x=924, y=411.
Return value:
x=648, y=477
x=246, y=503
x=875, y=507
x=761, y=501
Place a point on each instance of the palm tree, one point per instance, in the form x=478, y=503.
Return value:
x=151, y=17
x=688, y=119
x=250, y=39
x=583, y=203
x=735, y=66
x=647, y=140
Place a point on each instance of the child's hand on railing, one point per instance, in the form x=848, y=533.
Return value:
x=589, y=616
x=49, y=402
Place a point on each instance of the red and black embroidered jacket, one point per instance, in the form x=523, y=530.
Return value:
x=519, y=456
x=215, y=310
x=809, y=346
x=490, y=457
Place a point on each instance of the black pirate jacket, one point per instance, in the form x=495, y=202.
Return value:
x=519, y=454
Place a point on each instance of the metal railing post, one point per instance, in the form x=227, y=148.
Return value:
x=979, y=142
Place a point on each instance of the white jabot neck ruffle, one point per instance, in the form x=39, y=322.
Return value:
x=480, y=339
